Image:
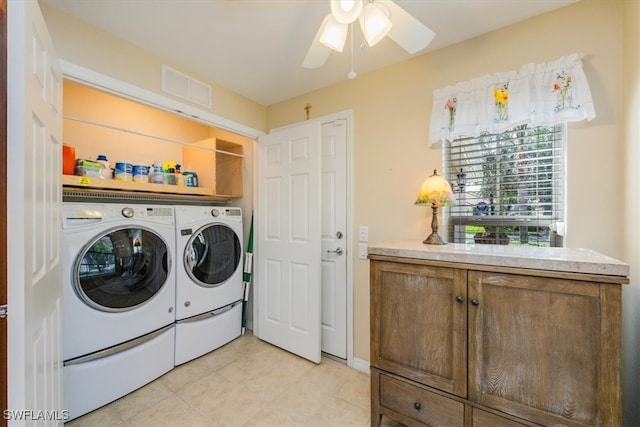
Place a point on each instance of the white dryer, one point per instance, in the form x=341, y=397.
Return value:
x=209, y=287
x=119, y=300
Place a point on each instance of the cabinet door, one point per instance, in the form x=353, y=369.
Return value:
x=419, y=325
x=547, y=350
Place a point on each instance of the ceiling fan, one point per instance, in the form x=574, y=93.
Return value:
x=378, y=18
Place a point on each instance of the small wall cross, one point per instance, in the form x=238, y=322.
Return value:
x=307, y=108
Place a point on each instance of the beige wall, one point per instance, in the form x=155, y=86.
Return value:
x=89, y=47
x=392, y=107
x=89, y=140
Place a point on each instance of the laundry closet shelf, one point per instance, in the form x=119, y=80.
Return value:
x=114, y=184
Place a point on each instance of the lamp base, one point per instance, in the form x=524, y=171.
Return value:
x=434, y=239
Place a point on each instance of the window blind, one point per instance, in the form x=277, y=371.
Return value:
x=509, y=187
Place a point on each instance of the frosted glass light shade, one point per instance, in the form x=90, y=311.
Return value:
x=435, y=191
x=346, y=11
x=374, y=23
x=333, y=33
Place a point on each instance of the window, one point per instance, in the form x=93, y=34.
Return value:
x=509, y=187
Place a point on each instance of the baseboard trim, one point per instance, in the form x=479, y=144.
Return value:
x=361, y=365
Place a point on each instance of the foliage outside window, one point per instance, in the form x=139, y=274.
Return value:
x=509, y=187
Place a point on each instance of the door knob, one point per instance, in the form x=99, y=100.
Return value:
x=338, y=251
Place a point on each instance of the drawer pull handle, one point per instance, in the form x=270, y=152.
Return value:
x=417, y=405
x=460, y=298
x=475, y=302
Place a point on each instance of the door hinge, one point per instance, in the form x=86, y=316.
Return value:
x=3, y=311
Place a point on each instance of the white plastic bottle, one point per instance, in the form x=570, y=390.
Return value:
x=156, y=176
x=106, y=167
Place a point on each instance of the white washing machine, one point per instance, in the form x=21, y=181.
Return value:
x=118, y=300
x=209, y=287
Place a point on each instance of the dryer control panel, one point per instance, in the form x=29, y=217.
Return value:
x=226, y=212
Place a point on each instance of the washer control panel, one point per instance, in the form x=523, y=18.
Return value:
x=226, y=212
x=127, y=212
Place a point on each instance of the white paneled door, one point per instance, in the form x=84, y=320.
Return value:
x=287, y=270
x=334, y=237
x=34, y=137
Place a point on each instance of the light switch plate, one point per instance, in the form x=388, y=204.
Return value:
x=363, y=235
x=362, y=250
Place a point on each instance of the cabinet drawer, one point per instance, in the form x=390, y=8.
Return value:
x=420, y=404
x=485, y=419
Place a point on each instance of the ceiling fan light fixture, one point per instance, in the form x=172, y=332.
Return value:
x=374, y=23
x=333, y=33
x=346, y=11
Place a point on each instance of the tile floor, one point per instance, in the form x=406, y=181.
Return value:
x=245, y=383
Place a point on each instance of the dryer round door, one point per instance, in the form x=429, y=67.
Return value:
x=212, y=255
x=121, y=269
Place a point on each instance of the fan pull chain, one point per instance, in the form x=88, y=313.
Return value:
x=352, y=74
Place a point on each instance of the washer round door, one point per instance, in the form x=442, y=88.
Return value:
x=121, y=269
x=212, y=255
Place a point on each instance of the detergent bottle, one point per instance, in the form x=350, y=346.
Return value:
x=179, y=177
x=169, y=168
x=106, y=167
x=190, y=178
x=156, y=176
x=68, y=159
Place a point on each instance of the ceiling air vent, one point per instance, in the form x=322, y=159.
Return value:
x=179, y=84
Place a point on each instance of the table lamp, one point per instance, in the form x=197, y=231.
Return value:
x=435, y=191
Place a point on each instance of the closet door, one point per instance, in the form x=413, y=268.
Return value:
x=288, y=235
x=34, y=231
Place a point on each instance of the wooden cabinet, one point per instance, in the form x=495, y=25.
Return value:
x=219, y=165
x=456, y=344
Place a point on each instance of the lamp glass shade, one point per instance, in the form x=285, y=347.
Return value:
x=346, y=11
x=333, y=33
x=435, y=191
x=374, y=23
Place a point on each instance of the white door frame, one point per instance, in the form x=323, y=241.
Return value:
x=348, y=116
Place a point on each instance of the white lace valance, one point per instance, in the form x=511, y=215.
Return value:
x=538, y=94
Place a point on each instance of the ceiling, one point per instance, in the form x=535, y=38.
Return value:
x=256, y=47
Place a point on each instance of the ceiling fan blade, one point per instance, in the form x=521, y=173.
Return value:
x=316, y=56
x=318, y=53
x=411, y=34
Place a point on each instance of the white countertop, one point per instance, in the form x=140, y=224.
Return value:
x=534, y=257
